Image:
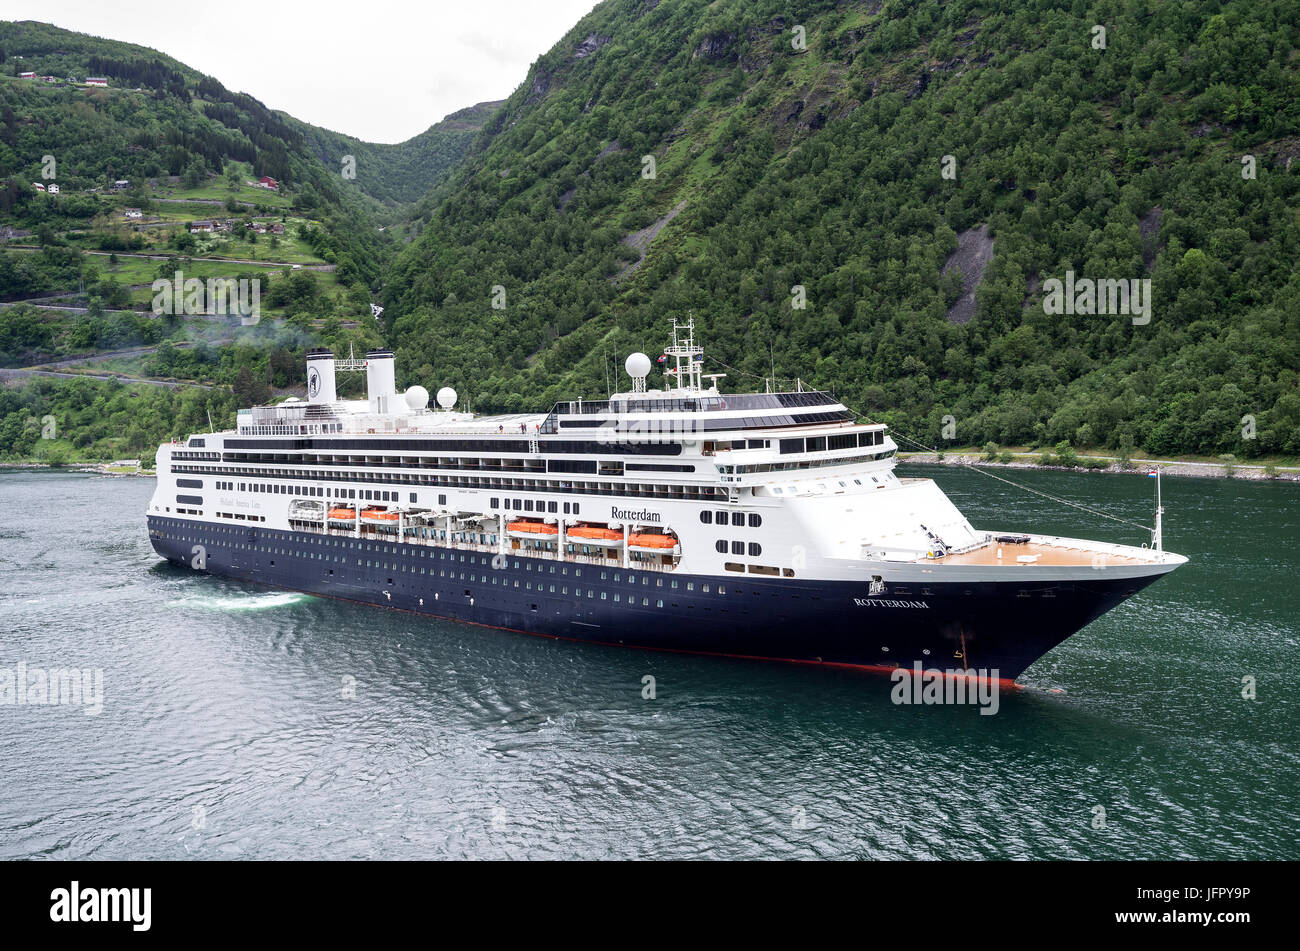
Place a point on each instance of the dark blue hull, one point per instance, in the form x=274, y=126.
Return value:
x=990, y=626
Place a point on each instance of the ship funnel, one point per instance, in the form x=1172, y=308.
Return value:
x=320, y=376
x=380, y=386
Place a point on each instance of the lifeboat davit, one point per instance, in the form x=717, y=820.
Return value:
x=526, y=529
x=378, y=515
x=342, y=515
x=657, y=543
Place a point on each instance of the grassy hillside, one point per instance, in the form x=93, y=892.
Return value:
x=191, y=150
x=816, y=176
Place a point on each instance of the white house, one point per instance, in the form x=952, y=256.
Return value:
x=132, y=213
x=53, y=189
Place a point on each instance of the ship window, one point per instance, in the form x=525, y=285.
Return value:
x=755, y=549
x=706, y=517
x=721, y=546
x=755, y=521
x=495, y=502
x=737, y=518
x=737, y=548
x=528, y=505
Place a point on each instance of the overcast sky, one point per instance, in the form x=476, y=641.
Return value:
x=380, y=70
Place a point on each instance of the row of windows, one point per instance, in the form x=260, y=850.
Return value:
x=837, y=441
x=697, y=424
x=737, y=548
x=631, y=490
x=364, y=444
x=737, y=518
x=807, y=463
x=527, y=505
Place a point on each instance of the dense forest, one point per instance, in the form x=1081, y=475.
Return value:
x=816, y=164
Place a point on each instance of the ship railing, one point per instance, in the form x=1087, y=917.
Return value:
x=372, y=533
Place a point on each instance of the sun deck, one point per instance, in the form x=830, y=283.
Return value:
x=1031, y=553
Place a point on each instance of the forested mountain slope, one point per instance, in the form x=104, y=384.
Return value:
x=401, y=173
x=799, y=158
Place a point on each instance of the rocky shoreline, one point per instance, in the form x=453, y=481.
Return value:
x=1200, y=470
x=94, y=468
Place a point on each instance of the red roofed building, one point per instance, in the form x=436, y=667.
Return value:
x=266, y=181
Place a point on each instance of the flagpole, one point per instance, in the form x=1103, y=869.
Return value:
x=1160, y=510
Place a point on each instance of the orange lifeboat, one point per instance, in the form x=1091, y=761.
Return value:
x=594, y=533
x=525, y=527
x=340, y=515
x=659, y=542
x=378, y=515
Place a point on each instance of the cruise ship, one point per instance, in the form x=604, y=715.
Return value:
x=765, y=525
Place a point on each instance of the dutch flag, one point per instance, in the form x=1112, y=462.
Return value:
x=1152, y=474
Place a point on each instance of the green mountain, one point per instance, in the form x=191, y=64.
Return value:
x=403, y=173
x=871, y=196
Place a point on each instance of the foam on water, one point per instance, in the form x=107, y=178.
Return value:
x=252, y=601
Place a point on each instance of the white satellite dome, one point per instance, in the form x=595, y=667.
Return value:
x=446, y=397
x=417, y=397
x=637, y=366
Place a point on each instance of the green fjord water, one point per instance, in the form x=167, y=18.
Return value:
x=241, y=722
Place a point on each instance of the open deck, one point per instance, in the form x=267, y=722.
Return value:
x=1031, y=553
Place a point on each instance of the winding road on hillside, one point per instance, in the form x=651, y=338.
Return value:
x=323, y=268
x=6, y=375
